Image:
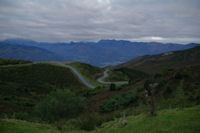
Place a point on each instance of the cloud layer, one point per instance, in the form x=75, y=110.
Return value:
x=92, y=20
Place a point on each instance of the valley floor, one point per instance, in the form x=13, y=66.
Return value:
x=167, y=121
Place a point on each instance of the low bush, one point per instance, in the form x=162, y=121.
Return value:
x=167, y=91
x=119, y=101
x=182, y=74
x=112, y=87
x=60, y=104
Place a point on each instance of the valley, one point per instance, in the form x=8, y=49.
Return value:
x=78, y=97
x=102, y=53
x=99, y=66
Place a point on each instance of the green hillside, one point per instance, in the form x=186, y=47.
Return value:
x=23, y=86
x=156, y=63
x=175, y=88
x=126, y=74
x=89, y=72
x=4, y=61
x=167, y=121
x=114, y=76
x=166, y=99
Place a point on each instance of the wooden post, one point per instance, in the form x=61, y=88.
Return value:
x=123, y=119
x=124, y=115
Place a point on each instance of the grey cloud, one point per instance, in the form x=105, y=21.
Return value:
x=92, y=20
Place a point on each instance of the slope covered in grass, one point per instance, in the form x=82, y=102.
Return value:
x=167, y=121
x=125, y=74
x=114, y=76
x=156, y=63
x=18, y=126
x=89, y=72
x=22, y=86
x=4, y=61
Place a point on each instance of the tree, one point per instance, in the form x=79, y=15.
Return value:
x=60, y=104
x=150, y=87
x=112, y=87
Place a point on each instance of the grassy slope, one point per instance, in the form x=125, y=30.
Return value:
x=4, y=61
x=133, y=75
x=167, y=121
x=178, y=87
x=156, y=63
x=22, y=86
x=89, y=72
x=114, y=76
x=17, y=126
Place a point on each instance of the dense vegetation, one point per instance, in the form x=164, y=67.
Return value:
x=120, y=101
x=156, y=63
x=60, y=104
x=22, y=87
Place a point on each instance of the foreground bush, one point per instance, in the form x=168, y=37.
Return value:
x=119, y=101
x=61, y=104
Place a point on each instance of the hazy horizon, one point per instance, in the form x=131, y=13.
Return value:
x=136, y=41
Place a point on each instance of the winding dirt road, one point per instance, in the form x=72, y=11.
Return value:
x=100, y=80
x=77, y=74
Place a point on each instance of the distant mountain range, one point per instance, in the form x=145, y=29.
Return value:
x=101, y=53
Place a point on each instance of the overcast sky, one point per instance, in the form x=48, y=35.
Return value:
x=93, y=20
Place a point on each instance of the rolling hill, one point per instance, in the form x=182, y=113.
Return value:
x=22, y=86
x=164, y=122
x=156, y=63
x=4, y=61
x=171, y=85
x=89, y=72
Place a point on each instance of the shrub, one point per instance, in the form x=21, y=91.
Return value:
x=60, y=104
x=157, y=75
x=112, y=87
x=119, y=101
x=181, y=75
x=168, y=90
x=89, y=122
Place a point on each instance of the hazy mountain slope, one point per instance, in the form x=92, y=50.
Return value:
x=14, y=51
x=156, y=63
x=104, y=52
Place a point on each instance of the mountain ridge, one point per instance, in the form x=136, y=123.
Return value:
x=103, y=52
x=32, y=53
x=158, y=62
